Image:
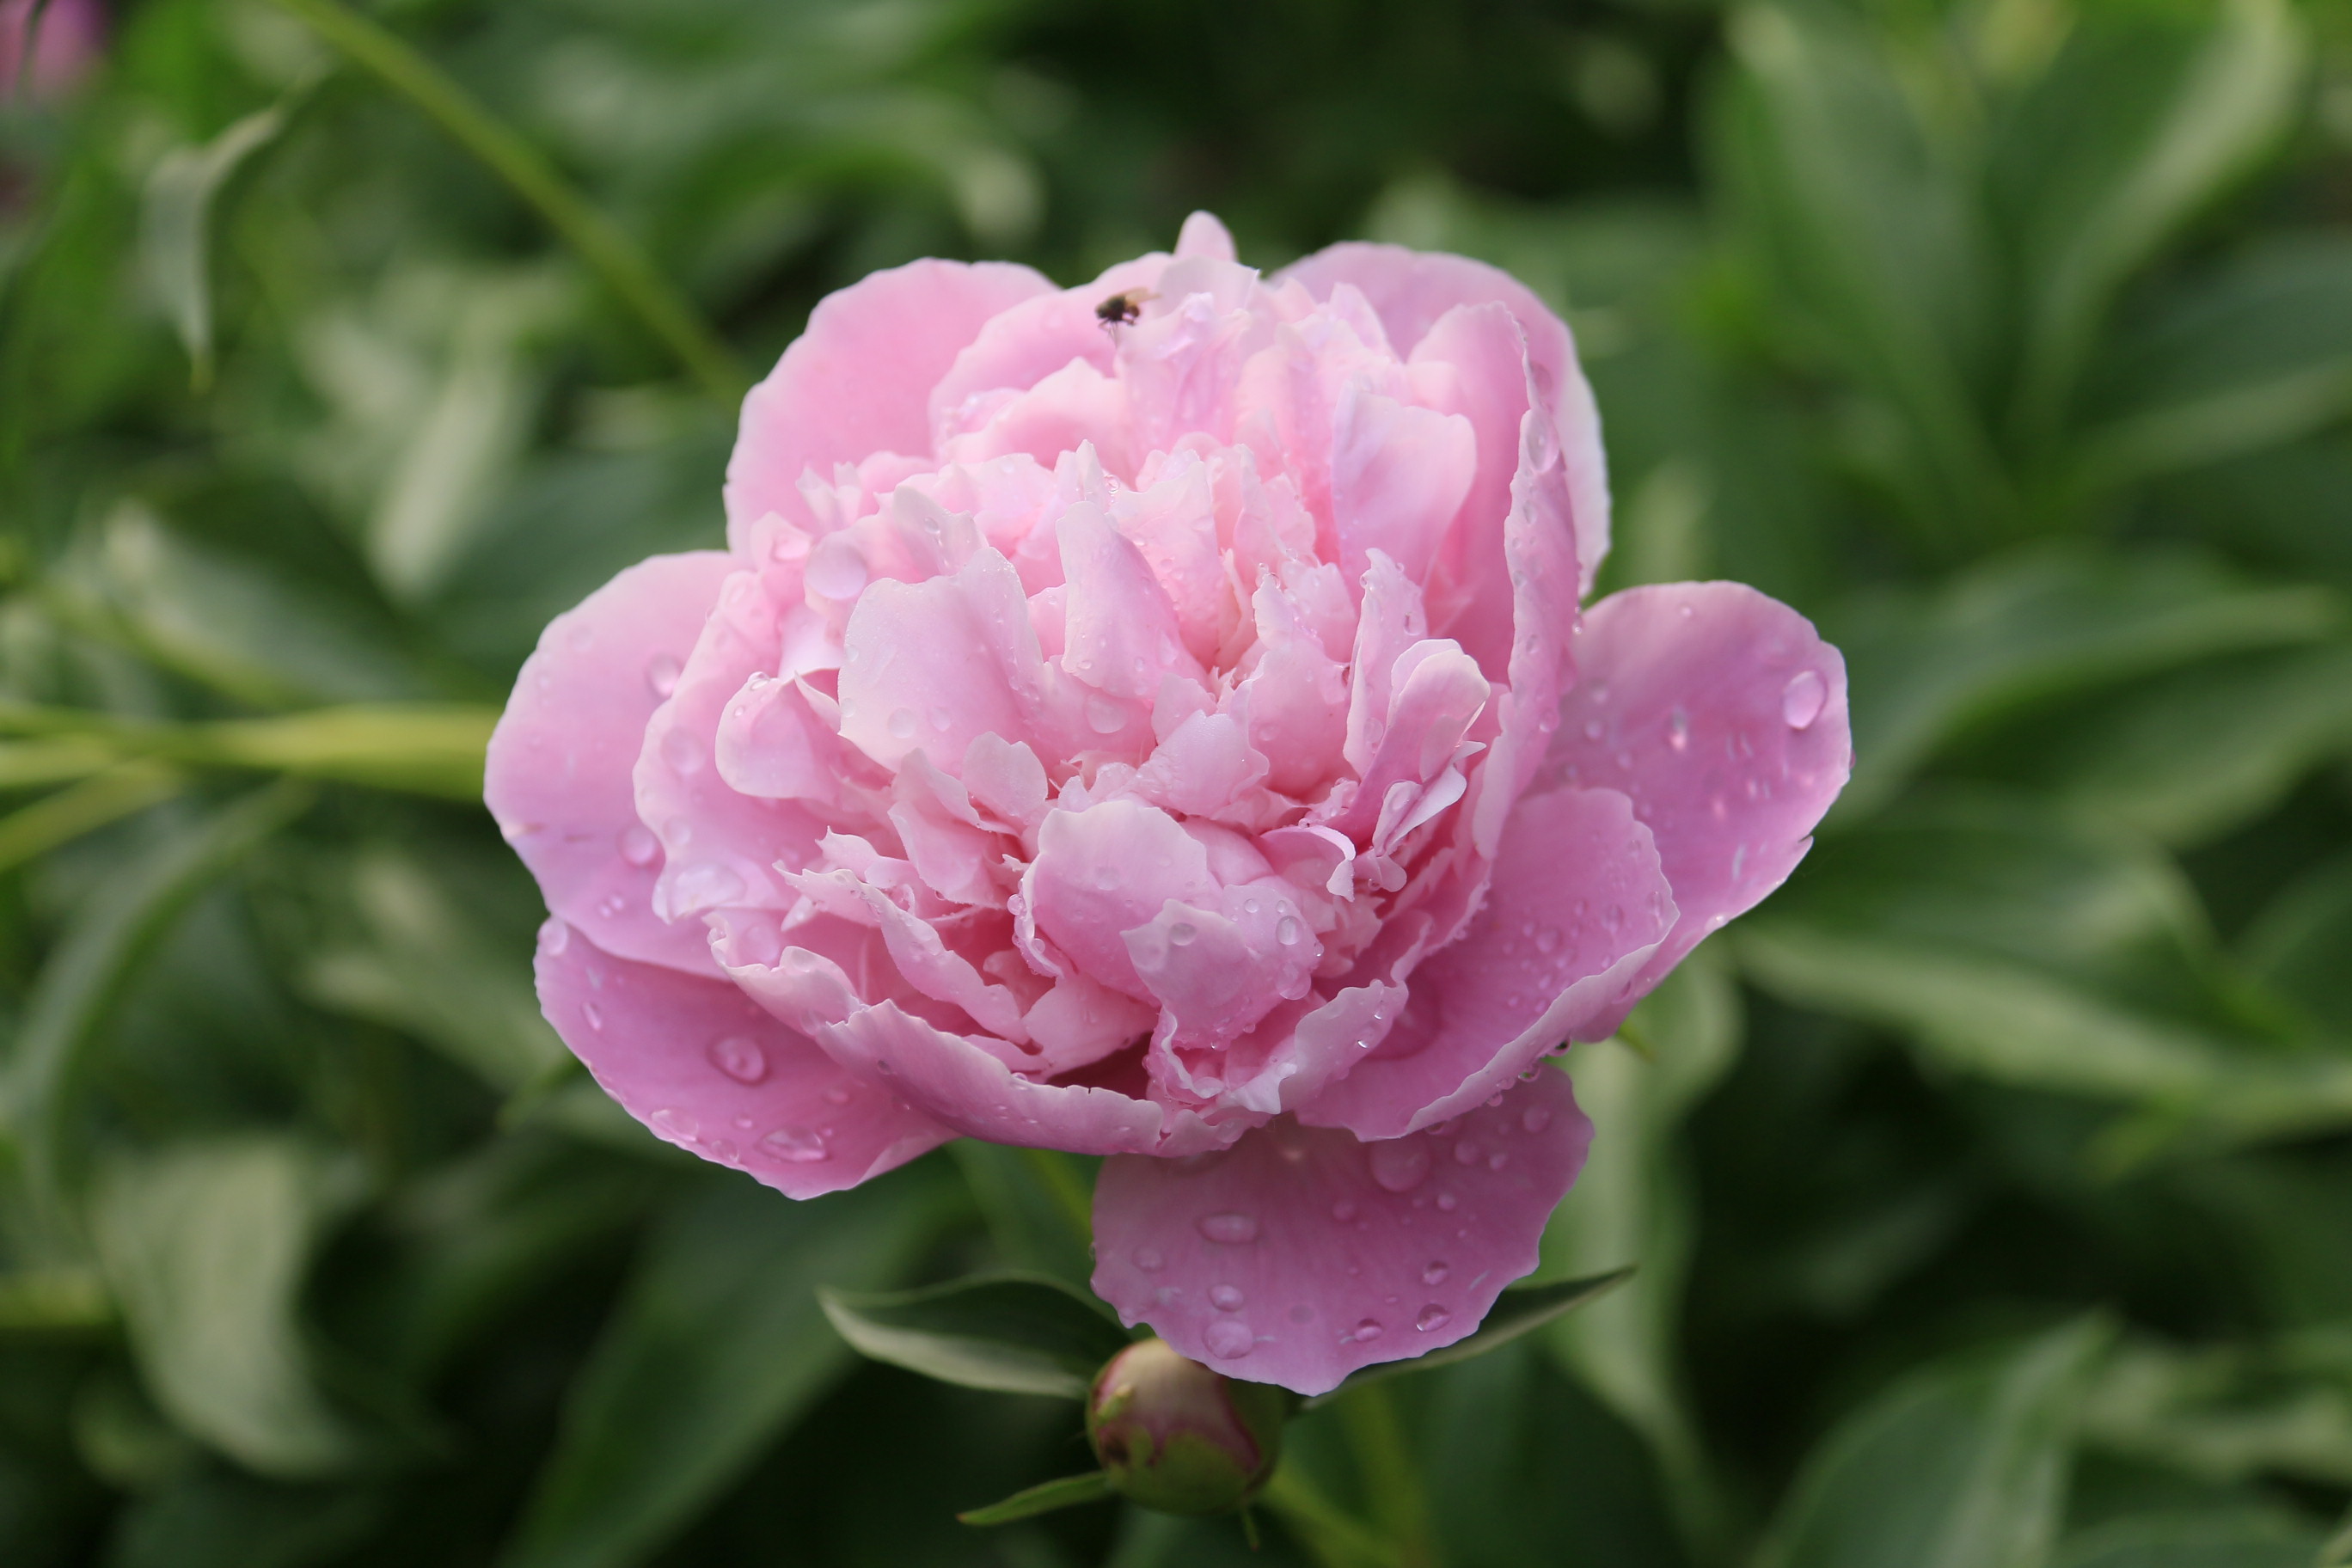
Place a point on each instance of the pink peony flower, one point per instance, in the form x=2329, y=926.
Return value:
x=1171, y=739
x=71, y=34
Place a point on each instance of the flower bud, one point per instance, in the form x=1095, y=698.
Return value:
x=1174, y=1436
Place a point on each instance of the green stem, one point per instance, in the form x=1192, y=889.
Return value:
x=1336, y=1539
x=622, y=267
x=1390, y=1479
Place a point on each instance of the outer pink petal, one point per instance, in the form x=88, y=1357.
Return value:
x=858, y=381
x=1723, y=714
x=558, y=774
x=1410, y=290
x=699, y=1063
x=1300, y=1255
x=1576, y=907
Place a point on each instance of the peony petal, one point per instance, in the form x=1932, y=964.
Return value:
x=858, y=381
x=1106, y=870
x=1473, y=362
x=934, y=666
x=707, y=1069
x=1411, y=290
x=1202, y=234
x=1300, y=1255
x=1577, y=905
x=1723, y=714
x=558, y=774
x=1399, y=474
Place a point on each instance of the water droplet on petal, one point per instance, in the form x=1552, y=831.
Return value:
x=1401, y=1164
x=1225, y=1298
x=902, y=723
x=1802, y=698
x=1447, y=1201
x=1105, y=877
x=1286, y=930
x=1369, y=1329
x=682, y=752
x=1105, y=715
x=1232, y=1229
x=1229, y=1338
x=739, y=1059
x=1678, y=730
x=837, y=1095
x=638, y=846
x=1536, y=1118
x=1592, y=730
x=1181, y=934
x=796, y=1144
x=1432, y=1318
x=1435, y=1273
x=553, y=938
x=1467, y=1152
x=594, y=1014
x=672, y=1122
x=1149, y=1259
x=835, y=571
x=661, y=674
x=941, y=719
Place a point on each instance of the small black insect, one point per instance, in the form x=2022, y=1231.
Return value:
x=1122, y=310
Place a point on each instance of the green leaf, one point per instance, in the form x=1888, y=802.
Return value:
x=2226, y=1414
x=1014, y=1333
x=1863, y=220
x=2185, y=109
x=1632, y=1203
x=2035, y=626
x=2301, y=944
x=2255, y=355
x=1522, y=1310
x=2191, y=1540
x=86, y=972
x=175, y=231
x=227, y=1520
x=206, y=1247
x=34, y=831
x=427, y=965
x=1962, y=1465
x=1043, y=1497
x=717, y=1346
x=1036, y=1206
x=2192, y=754
x=2022, y=947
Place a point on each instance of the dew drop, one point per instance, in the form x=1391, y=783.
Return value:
x=835, y=571
x=1149, y=1259
x=1286, y=930
x=1546, y=940
x=594, y=1014
x=661, y=674
x=1432, y=1318
x=706, y=886
x=1369, y=1329
x=902, y=723
x=1802, y=698
x=1447, y=1203
x=1497, y=1160
x=796, y=1144
x=1232, y=1229
x=1678, y=730
x=1226, y=1298
x=553, y=938
x=672, y=1122
x=1105, y=715
x=1105, y=877
x=682, y=752
x=1592, y=730
x=837, y=1095
x=1229, y=1338
x=638, y=846
x=1181, y=934
x=1536, y=1118
x=1467, y=1152
x=1401, y=1164
x=1435, y=1273
x=739, y=1059
x=941, y=718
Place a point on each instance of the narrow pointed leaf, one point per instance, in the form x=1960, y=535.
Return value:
x=1013, y=1334
x=1043, y=1497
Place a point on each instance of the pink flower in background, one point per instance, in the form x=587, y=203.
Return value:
x=67, y=46
x=1173, y=739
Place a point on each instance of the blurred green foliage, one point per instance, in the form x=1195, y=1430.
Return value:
x=1991, y=1185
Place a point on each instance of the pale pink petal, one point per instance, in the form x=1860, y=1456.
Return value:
x=1577, y=905
x=1074, y=406
x=1296, y=700
x=1473, y=362
x=558, y=773
x=858, y=381
x=723, y=848
x=931, y=667
x=1300, y=1255
x=1202, y=234
x=1723, y=714
x=1106, y=869
x=701, y=1064
x=1411, y=290
x=1399, y=474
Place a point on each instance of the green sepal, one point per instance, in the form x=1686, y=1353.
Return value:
x=1043, y=1497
